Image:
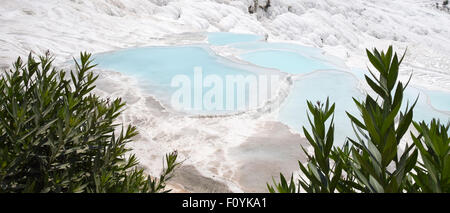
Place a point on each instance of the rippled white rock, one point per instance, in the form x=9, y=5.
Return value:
x=340, y=28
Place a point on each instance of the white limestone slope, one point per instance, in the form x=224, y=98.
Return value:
x=343, y=28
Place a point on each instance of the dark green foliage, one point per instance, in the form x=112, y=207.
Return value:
x=320, y=175
x=323, y=171
x=283, y=186
x=433, y=142
x=56, y=136
x=374, y=163
x=378, y=137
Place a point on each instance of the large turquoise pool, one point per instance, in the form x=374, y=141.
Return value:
x=316, y=76
x=156, y=67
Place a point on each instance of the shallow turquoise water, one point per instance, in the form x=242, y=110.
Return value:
x=439, y=99
x=340, y=87
x=159, y=64
x=225, y=38
x=286, y=61
x=423, y=111
x=156, y=67
x=260, y=45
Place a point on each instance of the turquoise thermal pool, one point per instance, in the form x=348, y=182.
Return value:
x=423, y=109
x=439, y=100
x=285, y=61
x=315, y=76
x=317, y=87
x=225, y=38
x=156, y=67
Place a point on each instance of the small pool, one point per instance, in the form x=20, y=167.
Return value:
x=423, y=111
x=261, y=45
x=439, y=99
x=286, y=61
x=339, y=86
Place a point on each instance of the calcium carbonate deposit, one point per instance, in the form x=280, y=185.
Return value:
x=242, y=150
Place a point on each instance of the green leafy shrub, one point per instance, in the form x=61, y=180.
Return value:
x=318, y=172
x=378, y=137
x=374, y=163
x=433, y=143
x=56, y=136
